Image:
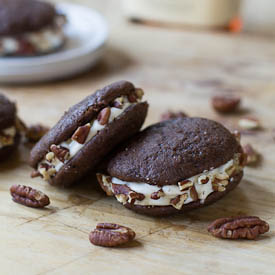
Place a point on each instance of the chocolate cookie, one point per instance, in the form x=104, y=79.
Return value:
x=174, y=166
x=9, y=134
x=29, y=27
x=88, y=132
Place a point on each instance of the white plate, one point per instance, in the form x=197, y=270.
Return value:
x=86, y=32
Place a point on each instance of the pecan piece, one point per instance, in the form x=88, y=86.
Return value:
x=28, y=196
x=157, y=195
x=60, y=152
x=193, y=193
x=171, y=115
x=251, y=155
x=111, y=235
x=185, y=185
x=81, y=134
x=249, y=123
x=135, y=196
x=243, y=227
x=121, y=189
x=35, y=132
x=104, y=116
x=225, y=103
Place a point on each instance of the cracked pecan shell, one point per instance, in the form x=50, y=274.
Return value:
x=111, y=235
x=28, y=196
x=243, y=227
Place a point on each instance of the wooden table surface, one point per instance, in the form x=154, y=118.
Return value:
x=179, y=70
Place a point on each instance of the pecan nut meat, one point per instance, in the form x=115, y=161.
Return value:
x=243, y=227
x=81, y=133
x=104, y=116
x=111, y=235
x=225, y=103
x=60, y=152
x=28, y=196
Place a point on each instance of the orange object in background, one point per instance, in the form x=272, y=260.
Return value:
x=235, y=25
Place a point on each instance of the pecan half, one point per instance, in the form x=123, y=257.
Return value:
x=81, y=134
x=35, y=132
x=225, y=103
x=243, y=227
x=251, y=155
x=104, y=116
x=110, y=235
x=170, y=115
x=28, y=196
x=60, y=152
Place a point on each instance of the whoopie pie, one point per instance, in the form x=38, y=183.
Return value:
x=30, y=27
x=174, y=166
x=88, y=132
x=9, y=133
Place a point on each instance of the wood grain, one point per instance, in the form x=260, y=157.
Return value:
x=179, y=70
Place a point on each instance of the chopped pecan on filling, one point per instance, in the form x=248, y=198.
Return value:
x=198, y=187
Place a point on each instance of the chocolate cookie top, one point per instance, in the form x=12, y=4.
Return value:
x=19, y=16
x=7, y=112
x=168, y=152
x=79, y=115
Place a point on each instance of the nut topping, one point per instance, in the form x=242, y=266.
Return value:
x=251, y=155
x=35, y=132
x=185, y=185
x=60, y=152
x=104, y=116
x=157, y=195
x=28, y=196
x=111, y=235
x=225, y=103
x=244, y=227
x=81, y=134
x=193, y=193
x=249, y=123
x=135, y=196
x=171, y=115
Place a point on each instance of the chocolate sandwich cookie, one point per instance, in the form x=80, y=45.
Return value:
x=174, y=166
x=29, y=27
x=88, y=132
x=9, y=133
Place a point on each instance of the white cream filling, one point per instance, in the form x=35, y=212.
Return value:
x=221, y=174
x=42, y=41
x=8, y=137
x=74, y=147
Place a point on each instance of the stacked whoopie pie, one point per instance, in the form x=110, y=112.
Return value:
x=9, y=132
x=88, y=132
x=170, y=167
x=29, y=28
